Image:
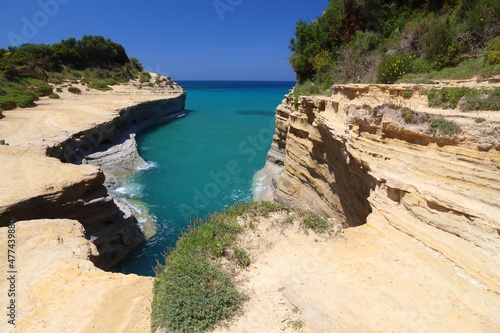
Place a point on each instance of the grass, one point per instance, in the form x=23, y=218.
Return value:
x=472, y=99
x=314, y=222
x=465, y=70
x=297, y=325
x=242, y=257
x=444, y=126
x=192, y=292
x=479, y=120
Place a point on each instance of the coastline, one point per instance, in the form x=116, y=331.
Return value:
x=93, y=148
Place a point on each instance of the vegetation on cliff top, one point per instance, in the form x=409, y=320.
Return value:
x=364, y=41
x=27, y=70
x=194, y=291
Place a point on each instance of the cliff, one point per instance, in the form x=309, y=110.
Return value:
x=352, y=157
x=58, y=288
x=78, y=130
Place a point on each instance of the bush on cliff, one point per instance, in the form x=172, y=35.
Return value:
x=27, y=70
x=353, y=36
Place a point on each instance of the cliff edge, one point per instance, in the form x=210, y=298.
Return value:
x=354, y=158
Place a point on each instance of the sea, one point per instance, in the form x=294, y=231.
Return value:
x=203, y=162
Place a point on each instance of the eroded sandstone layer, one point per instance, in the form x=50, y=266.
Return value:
x=59, y=289
x=79, y=130
x=352, y=159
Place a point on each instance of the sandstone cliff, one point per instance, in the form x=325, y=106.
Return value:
x=344, y=158
x=93, y=128
x=58, y=288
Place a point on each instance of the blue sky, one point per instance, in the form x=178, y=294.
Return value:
x=185, y=39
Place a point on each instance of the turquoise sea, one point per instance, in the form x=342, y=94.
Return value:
x=203, y=162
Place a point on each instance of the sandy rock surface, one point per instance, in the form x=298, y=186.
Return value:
x=60, y=290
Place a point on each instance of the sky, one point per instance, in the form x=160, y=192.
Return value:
x=184, y=39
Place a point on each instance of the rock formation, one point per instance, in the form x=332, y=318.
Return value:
x=346, y=158
x=93, y=128
x=58, y=288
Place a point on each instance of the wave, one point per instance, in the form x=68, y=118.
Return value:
x=149, y=165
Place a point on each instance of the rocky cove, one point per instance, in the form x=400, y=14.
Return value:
x=419, y=210
x=59, y=161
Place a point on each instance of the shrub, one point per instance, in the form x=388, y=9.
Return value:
x=59, y=90
x=54, y=96
x=408, y=115
x=479, y=120
x=99, y=85
x=144, y=77
x=393, y=67
x=242, y=257
x=444, y=126
x=407, y=94
x=74, y=90
x=492, y=52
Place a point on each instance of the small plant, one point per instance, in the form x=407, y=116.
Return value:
x=492, y=52
x=144, y=77
x=74, y=90
x=408, y=115
x=444, y=126
x=242, y=257
x=407, y=94
x=314, y=222
x=297, y=325
x=54, y=96
x=479, y=120
x=59, y=90
x=392, y=68
x=445, y=97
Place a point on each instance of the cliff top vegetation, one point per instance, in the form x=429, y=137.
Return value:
x=367, y=41
x=27, y=71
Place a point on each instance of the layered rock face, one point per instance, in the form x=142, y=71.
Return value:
x=58, y=288
x=96, y=129
x=346, y=158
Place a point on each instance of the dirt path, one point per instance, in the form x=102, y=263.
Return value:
x=373, y=278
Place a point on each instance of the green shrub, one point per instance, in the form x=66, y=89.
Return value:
x=99, y=85
x=59, y=90
x=242, y=257
x=444, y=126
x=54, y=96
x=407, y=94
x=393, y=67
x=483, y=101
x=479, y=120
x=492, y=52
x=74, y=90
x=144, y=77
x=408, y=115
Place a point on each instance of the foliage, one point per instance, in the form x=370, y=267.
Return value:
x=444, y=126
x=492, y=52
x=392, y=68
x=242, y=257
x=192, y=292
x=314, y=222
x=144, y=77
x=54, y=96
x=467, y=99
x=99, y=85
x=74, y=90
x=27, y=70
x=297, y=325
x=346, y=43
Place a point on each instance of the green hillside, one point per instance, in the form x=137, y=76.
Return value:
x=27, y=71
x=366, y=41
